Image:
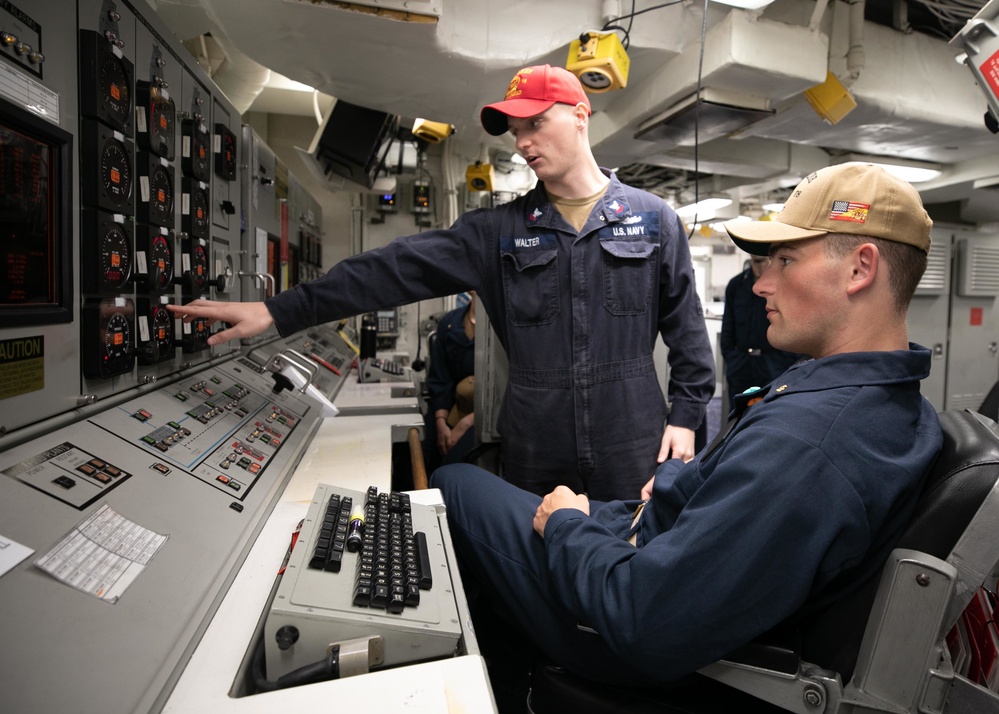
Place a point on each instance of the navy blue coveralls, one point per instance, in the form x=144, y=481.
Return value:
x=452, y=359
x=578, y=316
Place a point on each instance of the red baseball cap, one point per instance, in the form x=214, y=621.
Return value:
x=533, y=90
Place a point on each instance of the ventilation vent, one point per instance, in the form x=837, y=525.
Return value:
x=978, y=269
x=934, y=280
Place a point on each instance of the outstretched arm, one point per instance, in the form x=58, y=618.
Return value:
x=246, y=319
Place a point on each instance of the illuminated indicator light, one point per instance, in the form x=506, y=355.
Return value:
x=115, y=176
x=115, y=92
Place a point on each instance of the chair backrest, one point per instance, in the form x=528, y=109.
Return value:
x=963, y=475
x=990, y=405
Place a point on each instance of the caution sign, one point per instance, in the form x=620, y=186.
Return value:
x=22, y=366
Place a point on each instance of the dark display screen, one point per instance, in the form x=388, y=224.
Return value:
x=34, y=220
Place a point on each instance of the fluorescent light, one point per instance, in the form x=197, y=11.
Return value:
x=912, y=174
x=905, y=169
x=746, y=4
x=702, y=208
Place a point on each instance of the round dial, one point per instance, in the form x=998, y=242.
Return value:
x=161, y=329
x=115, y=94
x=116, y=172
x=115, y=257
x=161, y=120
x=199, y=268
x=199, y=328
x=160, y=195
x=199, y=213
x=196, y=162
x=160, y=263
x=116, y=343
x=227, y=166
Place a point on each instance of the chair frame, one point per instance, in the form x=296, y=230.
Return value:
x=904, y=664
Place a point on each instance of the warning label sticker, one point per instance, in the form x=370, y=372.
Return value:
x=22, y=366
x=990, y=70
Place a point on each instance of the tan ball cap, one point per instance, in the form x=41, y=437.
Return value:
x=857, y=198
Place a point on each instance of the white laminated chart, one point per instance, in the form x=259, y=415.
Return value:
x=103, y=555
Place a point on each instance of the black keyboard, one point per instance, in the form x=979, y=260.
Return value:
x=393, y=563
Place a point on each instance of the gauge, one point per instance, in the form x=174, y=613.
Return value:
x=161, y=327
x=225, y=152
x=155, y=128
x=195, y=336
x=116, y=173
x=194, y=266
x=194, y=209
x=116, y=334
x=160, y=262
x=153, y=258
x=155, y=333
x=116, y=96
x=194, y=150
x=199, y=268
x=156, y=194
x=107, y=168
x=161, y=131
x=105, y=82
x=107, y=252
x=108, y=347
x=116, y=257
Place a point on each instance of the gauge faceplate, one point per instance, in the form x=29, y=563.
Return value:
x=116, y=172
x=108, y=340
x=116, y=257
x=196, y=150
x=115, y=94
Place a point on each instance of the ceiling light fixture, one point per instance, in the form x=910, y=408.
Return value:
x=705, y=208
x=746, y=4
x=905, y=169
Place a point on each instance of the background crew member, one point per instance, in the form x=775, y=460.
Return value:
x=810, y=486
x=578, y=277
x=750, y=361
x=450, y=427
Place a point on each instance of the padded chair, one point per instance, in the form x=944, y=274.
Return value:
x=885, y=639
x=990, y=405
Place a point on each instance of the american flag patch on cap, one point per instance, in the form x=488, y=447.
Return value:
x=849, y=211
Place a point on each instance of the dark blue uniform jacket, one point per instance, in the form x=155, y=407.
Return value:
x=578, y=316
x=816, y=479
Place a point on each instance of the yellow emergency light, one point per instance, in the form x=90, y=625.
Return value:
x=433, y=132
x=600, y=61
x=479, y=176
x=831, y=100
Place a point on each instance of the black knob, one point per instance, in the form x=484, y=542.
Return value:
x=281, y=382
x=286, y=636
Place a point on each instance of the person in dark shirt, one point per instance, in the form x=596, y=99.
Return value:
x=450, y=423
x=750, y=360
x=580, y=278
